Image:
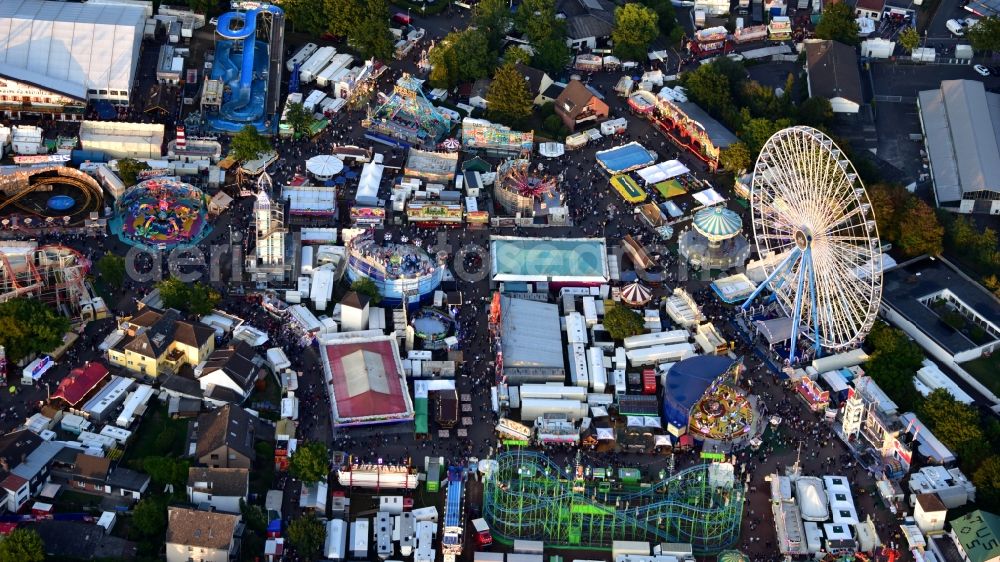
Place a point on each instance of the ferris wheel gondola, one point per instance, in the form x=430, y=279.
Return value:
x=811, y=214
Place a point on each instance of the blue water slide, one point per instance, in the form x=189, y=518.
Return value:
x=242, y=26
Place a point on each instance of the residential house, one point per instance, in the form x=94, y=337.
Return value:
x=477, y=95
x=929, y=512
x=224, y=438
x=94, y=475
x=221, y=488
x=154, y=343
x=871, y=9
x=201, y=536
x=236, y=368
x=538, y=82
x=577, y=105
x=89, y=473
x=78, y=540
x=25, y=460
x=183, y=387
x=833, y=73
x=588, y=22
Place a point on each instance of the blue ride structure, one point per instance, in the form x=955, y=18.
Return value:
x=241, y=63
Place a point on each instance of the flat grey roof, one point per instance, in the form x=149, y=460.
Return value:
x=905, y=284
x=531, y=333
x=960, y=122
x=720, y=136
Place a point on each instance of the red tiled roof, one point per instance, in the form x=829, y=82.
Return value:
x=13, y=483
x=80, y=382
x=368, y=402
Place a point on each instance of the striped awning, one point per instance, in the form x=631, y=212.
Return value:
x=717, y=223
x=636, y=294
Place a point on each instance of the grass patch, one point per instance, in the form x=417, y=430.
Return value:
x=985, y=371
x=158, y=435
x=262, y=477
x=267, y=400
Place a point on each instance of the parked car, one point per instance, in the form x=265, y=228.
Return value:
x=982, y=70
x=955, y=27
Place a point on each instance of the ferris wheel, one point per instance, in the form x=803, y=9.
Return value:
x=815, y=233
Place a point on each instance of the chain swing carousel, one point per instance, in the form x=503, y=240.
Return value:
x=715, y=239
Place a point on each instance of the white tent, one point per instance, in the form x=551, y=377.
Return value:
x=371, y=177
x=661, y=441
x=90, y=44
x=324, y=166
x=709, y=197
x=663, y=171
x=551, y=149
x=605, y=434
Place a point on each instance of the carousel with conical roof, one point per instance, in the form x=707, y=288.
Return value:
x=715, y=239
x=636, y=295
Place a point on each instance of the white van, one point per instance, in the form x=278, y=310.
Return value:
x=955, y=27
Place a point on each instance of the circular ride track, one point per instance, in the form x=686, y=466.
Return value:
x=60, y=194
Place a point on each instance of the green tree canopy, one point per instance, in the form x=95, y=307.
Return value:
x=111, y=268
x=371, y=36
x=636, y=26
x=954, y=423
x=816, y=112
x=444, y=65
x=508, y=100
x=905, y=220
x=149, y=516
x=128, y=170
x=367, y=287
x=307, y=534
x=196, y=298
x=28, y=326
x=893, y=361
x=551, y=54
x=306, y=16
x=341, y=17
x=709, y=87
x=298, y=118
x=838, y=23
x=166, y=470
x=735, y=158
x=22, y=545
x=987, y=481
x=493, y=18
x=311, y=462
x=909, y=38
x=985, y=35
x=516, y=55
x=620, y=322
x=666, y=18
x=755, y=132
x=537, y=20
x=248, y=144
x=473, y=54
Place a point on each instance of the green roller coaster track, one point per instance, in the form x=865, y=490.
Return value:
x=527, y=497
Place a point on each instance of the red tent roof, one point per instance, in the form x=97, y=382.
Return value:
x=80, y=382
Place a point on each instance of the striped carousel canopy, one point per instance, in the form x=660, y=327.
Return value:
x=732, y=556
x=636, y=294
x=717, y=223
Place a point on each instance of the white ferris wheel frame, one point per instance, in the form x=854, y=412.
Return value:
x=815, y=231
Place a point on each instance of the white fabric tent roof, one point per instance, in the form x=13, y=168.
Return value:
x=605, y=434
x=708, y=197
x=87, y=44
x=371, y=177
x=324, y=165
x=663, y=171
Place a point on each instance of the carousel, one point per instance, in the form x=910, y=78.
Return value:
x=432, y=327
x=530, y=192
x=161, y=213
x=715, y=239
x=724, y=413
x=636, y=295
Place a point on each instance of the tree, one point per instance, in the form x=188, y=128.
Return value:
x=621, y=323
x=709, y=88
x=254, y=516
x=892, y=362
x=756, y=131
x=444, y=65
x=919, y=232
x=909, y=39
x=196, y=298
x=537, y=20
x=22, y=545
x=551, y=54
x=987, y=481
x=516, y=55
x=342, y=17
x=371, y=36
x=28, y=326
x=635, y=28
x=837, y=23
x=472, y=52
x=735, y=158
x=128, y=170
x=149, y=516
x=248, y=144
x=306, y=16
x=816, y=112
x=666, y=18
x=307, y=534
x=985, y=35
x=298, y=118
x=367, y=287
x=493, y=18
x=206, y=7
x=166, y=470
x=111, y=268
x=311, y=462
x=508, y=99
x=953, y=423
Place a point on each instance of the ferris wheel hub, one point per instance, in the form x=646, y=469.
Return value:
x=803, y=237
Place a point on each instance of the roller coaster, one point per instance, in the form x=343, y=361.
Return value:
x=528, y=496
x=28, y=192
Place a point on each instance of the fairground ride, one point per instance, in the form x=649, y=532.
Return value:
x=528, y=496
